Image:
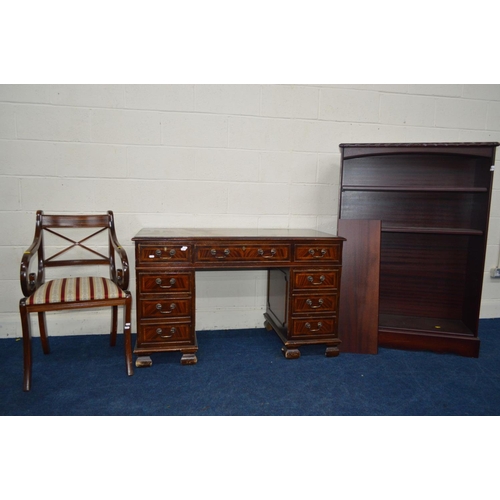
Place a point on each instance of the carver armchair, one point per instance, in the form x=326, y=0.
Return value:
x=70, y=252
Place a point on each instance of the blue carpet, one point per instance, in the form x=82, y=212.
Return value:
x=243, y=372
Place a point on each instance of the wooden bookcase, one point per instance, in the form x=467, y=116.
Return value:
x=433, y=201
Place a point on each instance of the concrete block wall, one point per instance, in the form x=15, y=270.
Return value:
x=209, y=156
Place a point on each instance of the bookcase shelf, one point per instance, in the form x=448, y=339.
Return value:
x=431, y=230
x=432, y=326
x=435, y=189
x=433, y=201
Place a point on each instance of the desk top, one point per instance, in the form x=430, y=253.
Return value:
x=224, y=233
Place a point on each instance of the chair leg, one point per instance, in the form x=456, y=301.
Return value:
x=128, y=335
x=27, y=358
x=43, y=333
x=114, y=325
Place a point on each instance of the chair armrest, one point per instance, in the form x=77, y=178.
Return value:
x=31, y=281
x=119, y=275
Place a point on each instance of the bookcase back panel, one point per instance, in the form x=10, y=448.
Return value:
x=422, y=170
x=422, y=273
x=460, y=210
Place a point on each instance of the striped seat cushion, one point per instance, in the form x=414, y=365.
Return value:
x=75, y=290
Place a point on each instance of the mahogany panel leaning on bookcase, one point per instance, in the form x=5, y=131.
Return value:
x=433, y=201
x=359, y=300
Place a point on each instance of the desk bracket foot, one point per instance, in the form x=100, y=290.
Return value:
x=189, y=359
x=143, y=362
x=290, y=353
x=332, y=352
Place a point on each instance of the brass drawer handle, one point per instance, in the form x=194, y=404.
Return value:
x=159, y=253
x=260, y=251
x=312, y=253
x=159, y=332
x=317, y=329
x=322, y=278
x=172, y=282
x=160, y=307
x=214, y=253
x=309, y=302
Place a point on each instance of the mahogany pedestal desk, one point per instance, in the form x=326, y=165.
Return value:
x=304, y=271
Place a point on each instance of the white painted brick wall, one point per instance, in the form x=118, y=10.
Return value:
x=7, y=121
x=117, y=126
x=194, y=129
x=52, y=123
x=228, y=99
x=397, y=109
x=290, y=101
x=209, y=155
x=346, y=105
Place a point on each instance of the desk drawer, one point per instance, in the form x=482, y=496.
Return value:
x=165, y=308
x=163, y=253
x=315, y=279
x=307, y=304
x=314, y=327
x=329, y=253
x=242, y=253
x=164, y=333
x=164, y=282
